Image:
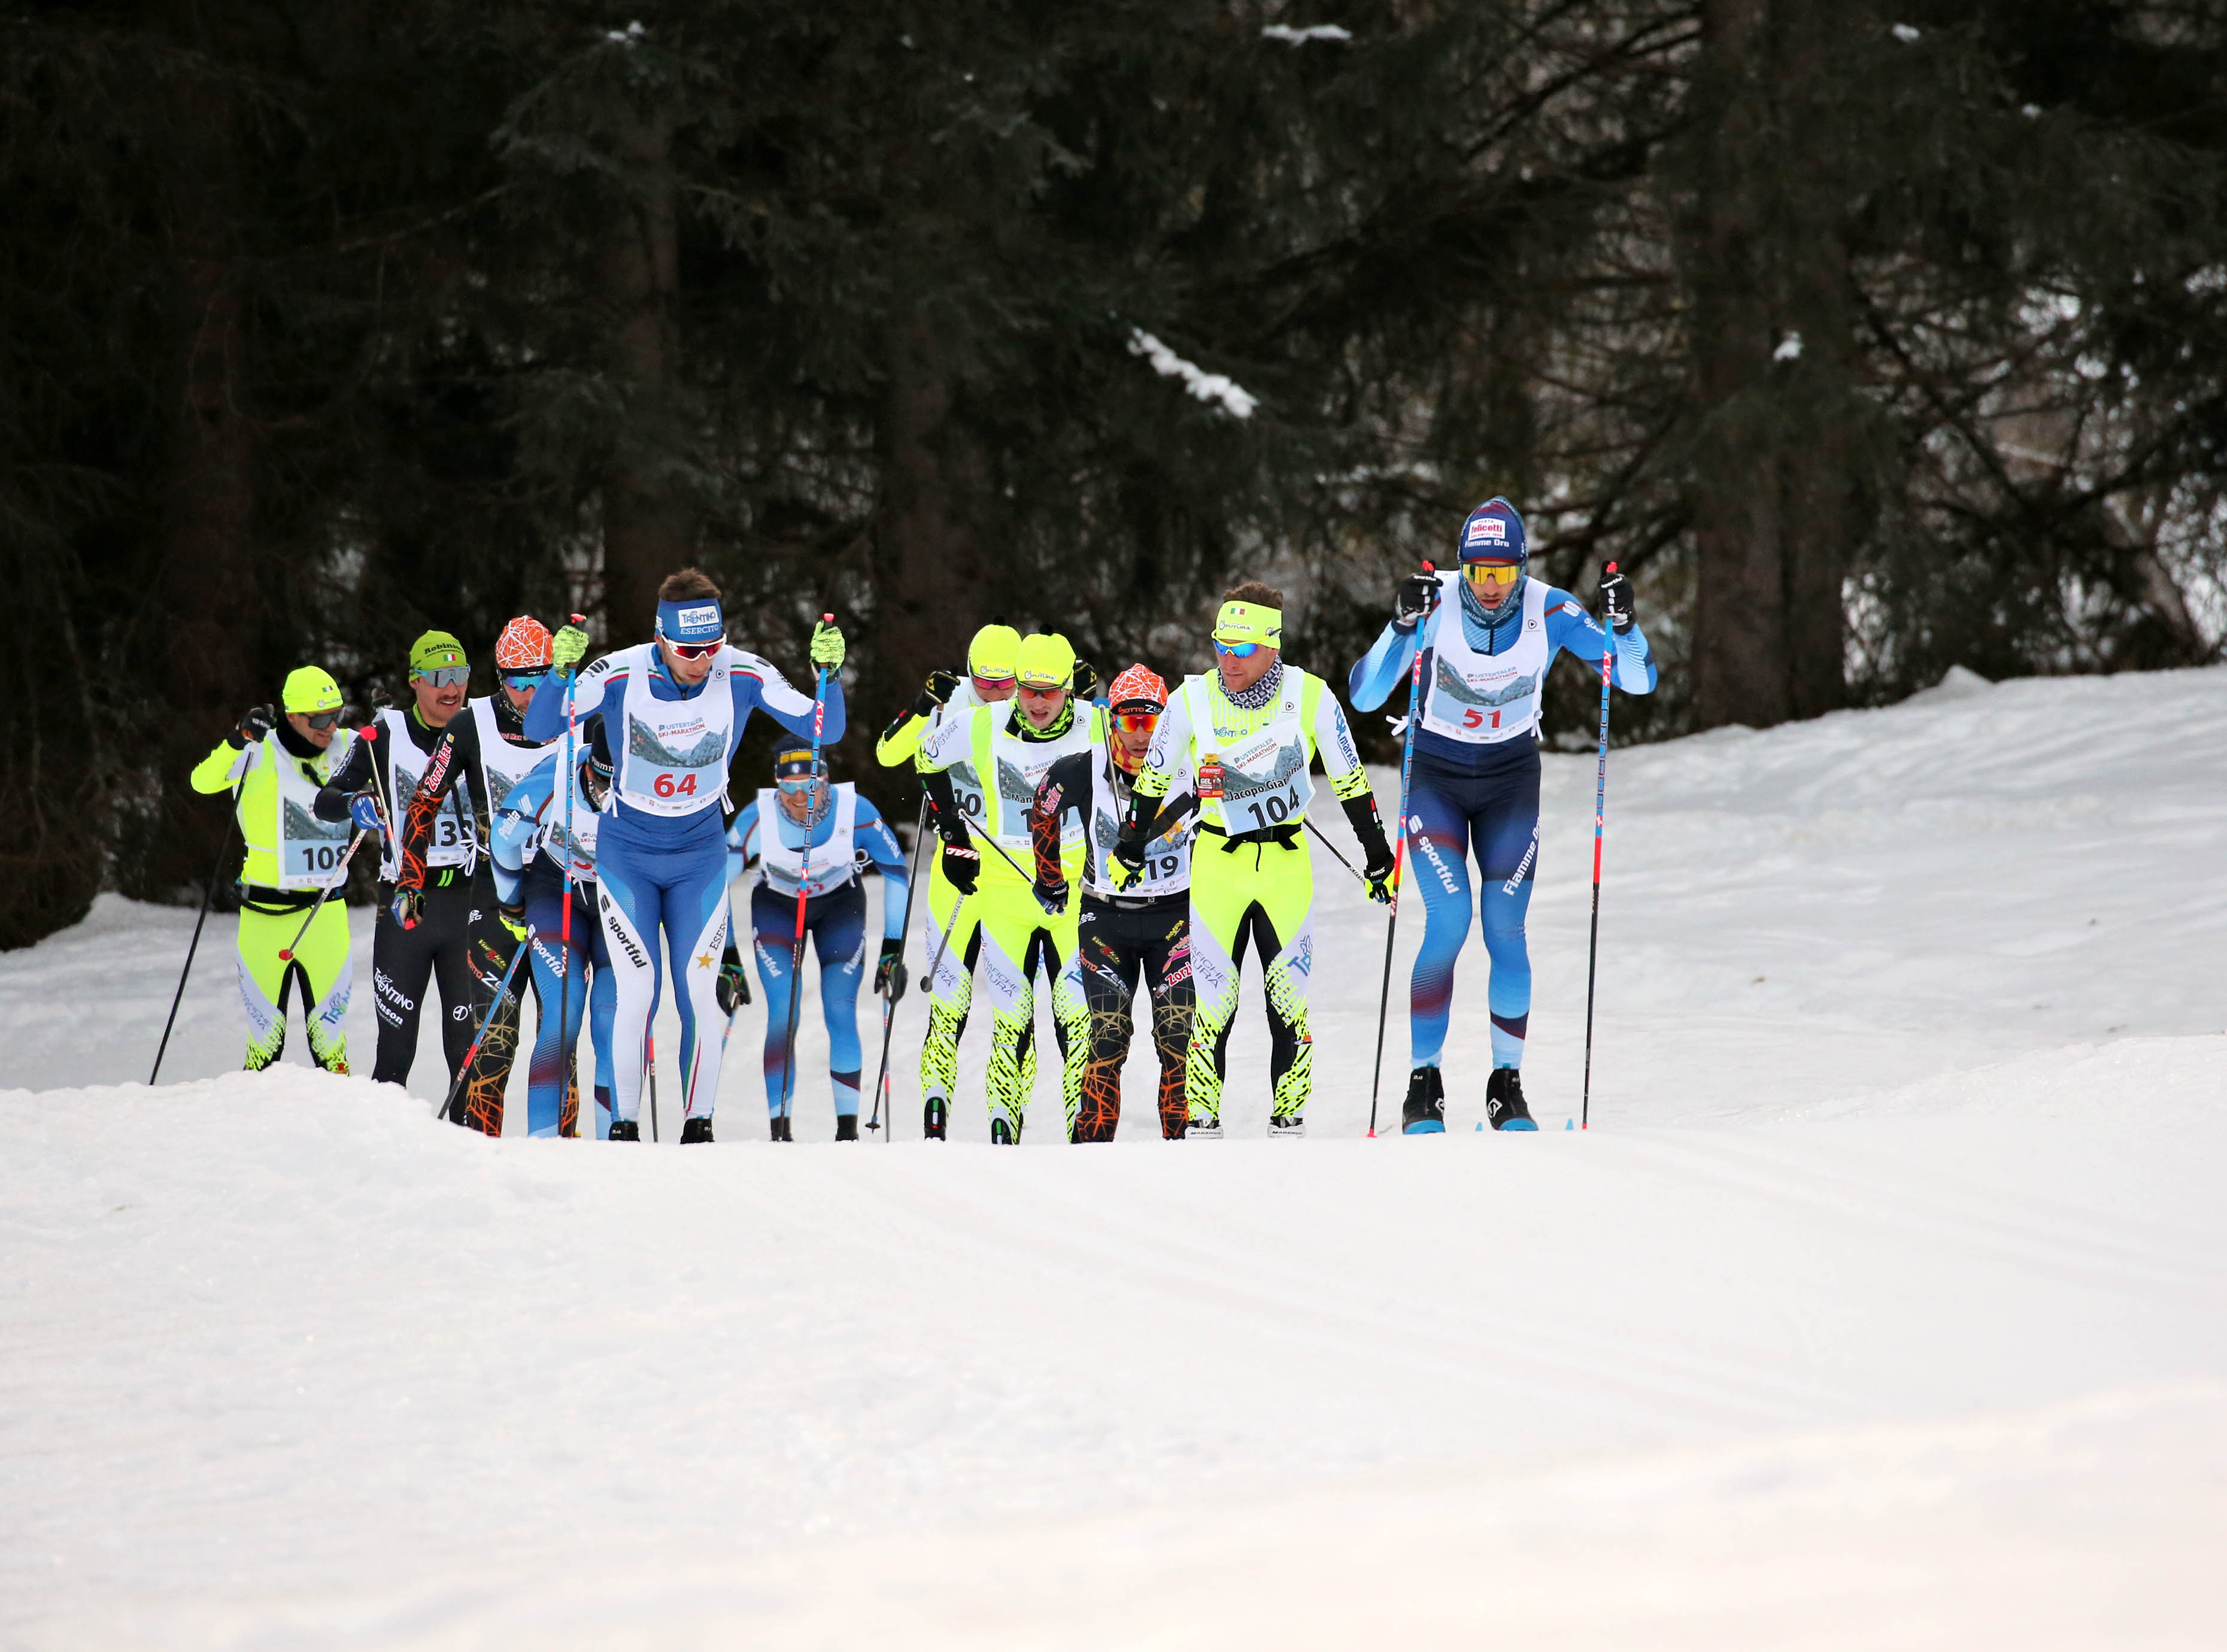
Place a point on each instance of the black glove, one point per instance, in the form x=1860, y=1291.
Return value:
x=941, y=686
x=961, y=867
x=1129, y=857
x=1615, y=600
x=1377, y=870
x=254, y=723
x=889, y=972
x=1417, y=593
x=734, y=984
x=1052, y=897
x=1086, y=681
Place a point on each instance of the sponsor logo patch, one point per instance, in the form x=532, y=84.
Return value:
x=699, y=618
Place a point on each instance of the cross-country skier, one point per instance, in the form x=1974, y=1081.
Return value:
x=946, y=698
x=432, y=904
x=480, y=757
x=280, y=760
x=530, y=847
x=1143, y=930
x=1489, y=633
x=669, y=714
x=1248, y=732
x=1011, y=747
x=845, y=833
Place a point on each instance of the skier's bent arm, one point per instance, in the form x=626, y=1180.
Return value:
x=759, y=684
x=738, y=841
x=1570, y=629
x=881, y=847
x=1384, y=667
x=217, y=771
x=1171, y=746
x=1066, y=788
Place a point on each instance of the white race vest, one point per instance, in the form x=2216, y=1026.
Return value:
x=453, y=843
x=965, y=784
x=309, y=850
x=1263, y=782
x=1167, y=857
x=580, y=841
x=672, y=759
x=1485, y=698
x=833, y=863
x=1020, y=766
x=502, y=765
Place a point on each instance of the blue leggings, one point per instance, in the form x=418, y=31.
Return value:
x=547, y=1069
x=680, y=888
x=1497, y=815
x=837, y=923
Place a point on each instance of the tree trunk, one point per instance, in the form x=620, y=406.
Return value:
x=213, y=604
x=648, y=523
x=1773, y=490
x=934, y=587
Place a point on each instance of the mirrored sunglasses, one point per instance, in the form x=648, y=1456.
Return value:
x=321, y=720
x=694, y=650
x=1136, y=722
x=1236, y=650
x=794, y=783
x=526, y=679
x=1041, y=690
x=447, y=676
x=986, y=687
x=1491, y=573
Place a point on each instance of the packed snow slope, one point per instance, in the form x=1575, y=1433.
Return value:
x=1885, y=1302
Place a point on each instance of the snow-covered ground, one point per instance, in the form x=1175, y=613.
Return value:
x=1885, y=1303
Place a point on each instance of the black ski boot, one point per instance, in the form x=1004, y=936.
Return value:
x=846, y=1126
x=1503, y=1101
x=933, y=1117
x=695, y=1130
x=625, y=1130
x=779, y=1126
x=1425, y=1112
x=1002, y=1133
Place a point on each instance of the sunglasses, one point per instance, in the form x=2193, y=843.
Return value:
x=1492, y=573
x=797, y=783
x=692, y=650
x=1042, y=691
x=1236, y=650
x=526, y=679
x=1136, y=722
x=321, y=720
x=447, y=676
x=986, y=687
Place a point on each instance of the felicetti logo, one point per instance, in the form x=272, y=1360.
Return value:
x=1488, y=528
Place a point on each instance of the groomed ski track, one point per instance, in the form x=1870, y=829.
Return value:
x=1885, y=1304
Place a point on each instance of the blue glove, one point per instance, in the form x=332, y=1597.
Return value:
x=363, y=809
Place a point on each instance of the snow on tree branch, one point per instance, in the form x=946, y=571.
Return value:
x=1330, y=33
x=1236, y=401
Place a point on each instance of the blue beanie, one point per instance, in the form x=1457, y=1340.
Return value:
x=1493, y=533
x=696, y=619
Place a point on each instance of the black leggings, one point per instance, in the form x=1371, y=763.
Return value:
x=459, y=945
x=1120, y=944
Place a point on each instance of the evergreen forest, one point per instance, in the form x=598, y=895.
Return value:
x=1871, y=337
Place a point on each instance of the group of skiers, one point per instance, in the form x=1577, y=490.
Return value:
x=1090, y=836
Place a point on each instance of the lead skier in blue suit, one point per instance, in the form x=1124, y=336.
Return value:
x=668, y=714
x=1489, y=633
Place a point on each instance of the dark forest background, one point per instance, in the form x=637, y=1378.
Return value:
x=1871, y=339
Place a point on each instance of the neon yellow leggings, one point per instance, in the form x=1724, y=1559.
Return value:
x=1019, y=938
x=1261, y=894
x=321, y=971
x=952, y=989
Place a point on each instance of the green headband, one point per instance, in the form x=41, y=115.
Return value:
x=1249, y=623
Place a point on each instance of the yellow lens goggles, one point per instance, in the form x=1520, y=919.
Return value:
x=1492, y=573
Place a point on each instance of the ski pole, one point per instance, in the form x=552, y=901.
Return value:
x=339, y=877
x=456, y=1084
x=1600, y=804
x=889, y=1005
x=1399, y=853
x=1332, y=847
x=223, y=854
x=649, y=1064
x=565, y=1080
x=804, y=883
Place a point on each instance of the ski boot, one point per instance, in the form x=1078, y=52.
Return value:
x=846, y=1126
x=695, y=1130
x=1003, y=1133
x=625, y=1130
x=934, y=1116
x=779, y=1126
x=1425, y=1111
x=1503, y=1101
x=1204, y=1129
x=1286, y=1126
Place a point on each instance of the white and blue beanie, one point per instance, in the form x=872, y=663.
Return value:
x=697, y=619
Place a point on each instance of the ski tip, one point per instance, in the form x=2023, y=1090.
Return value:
x=1569, y=1123
x=1480, y=1124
